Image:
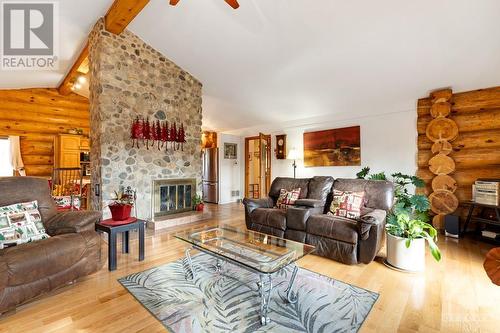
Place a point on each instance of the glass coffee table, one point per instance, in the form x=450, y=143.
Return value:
x=256, y=252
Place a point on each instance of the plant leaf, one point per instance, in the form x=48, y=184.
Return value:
x=363, y=173
x=420, y=202
x=378, y=176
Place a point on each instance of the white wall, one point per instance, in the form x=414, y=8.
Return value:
x=231, y=172
x=388, y=143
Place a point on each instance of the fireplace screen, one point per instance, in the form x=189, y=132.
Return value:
x=173, y=196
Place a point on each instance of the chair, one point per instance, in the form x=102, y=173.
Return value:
x=67, y=182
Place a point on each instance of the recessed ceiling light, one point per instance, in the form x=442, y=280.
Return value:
x=77, y=85
x=82, y=79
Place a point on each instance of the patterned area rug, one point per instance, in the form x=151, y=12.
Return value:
x=228, y=301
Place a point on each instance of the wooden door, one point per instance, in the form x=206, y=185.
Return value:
x=261, y=185
x=265, y=164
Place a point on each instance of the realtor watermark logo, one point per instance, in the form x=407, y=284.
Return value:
x=30, y=35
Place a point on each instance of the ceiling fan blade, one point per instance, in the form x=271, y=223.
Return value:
x=174, y=2
x=233, y=3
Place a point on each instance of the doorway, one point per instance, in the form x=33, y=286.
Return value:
x=257, y=166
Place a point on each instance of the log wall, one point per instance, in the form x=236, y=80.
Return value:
x=37, y=116
x=476, y=151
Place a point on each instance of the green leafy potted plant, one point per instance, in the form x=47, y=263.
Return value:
x=198, y=203
x=407, y=227
x=121, y=205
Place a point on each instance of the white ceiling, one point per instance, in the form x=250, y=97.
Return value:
x=278, y=60
x=281, y=60
x=76, y=19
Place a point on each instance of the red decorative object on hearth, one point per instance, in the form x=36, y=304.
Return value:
x=120, y=212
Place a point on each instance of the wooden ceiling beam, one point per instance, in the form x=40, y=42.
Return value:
x=65, y=86
x=118, y=17
x=121, y=13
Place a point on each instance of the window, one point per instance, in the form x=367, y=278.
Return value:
x=5, y=166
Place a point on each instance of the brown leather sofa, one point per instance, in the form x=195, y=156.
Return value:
x=346, y=240
x=31, y=269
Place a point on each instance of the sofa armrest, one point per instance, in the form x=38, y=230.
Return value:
x=367, y=221
x=312, y=203
x=72, y=222
x=371, y=230
x=251, y=204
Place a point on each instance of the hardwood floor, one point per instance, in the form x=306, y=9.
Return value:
x=454, y=295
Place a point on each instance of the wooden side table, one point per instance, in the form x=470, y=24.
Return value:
x=470, y=218
x=124, y=229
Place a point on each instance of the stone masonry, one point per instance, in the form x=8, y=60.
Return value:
x=128, y=79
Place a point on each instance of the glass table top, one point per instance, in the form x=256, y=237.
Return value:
x=255, y=250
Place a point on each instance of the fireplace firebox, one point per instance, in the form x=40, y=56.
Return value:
x=171, y=196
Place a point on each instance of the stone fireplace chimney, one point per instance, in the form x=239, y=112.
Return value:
x=130, y=79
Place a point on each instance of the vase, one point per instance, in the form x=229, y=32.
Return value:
x=120, y=212
x=410, y=259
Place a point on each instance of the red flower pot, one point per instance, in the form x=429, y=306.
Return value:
x=120, y=212
x=199, y=207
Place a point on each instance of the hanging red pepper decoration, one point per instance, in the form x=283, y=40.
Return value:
x=173, y=134
x=158, y=134
x=135, y=132
x=164, y=134
x=147, y=132
x=182, y=136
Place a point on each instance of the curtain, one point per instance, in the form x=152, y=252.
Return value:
x=15, y=155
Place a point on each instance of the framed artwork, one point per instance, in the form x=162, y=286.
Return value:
x=230, y=150
x=334, y=147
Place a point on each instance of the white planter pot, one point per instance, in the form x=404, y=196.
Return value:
x=408, y=259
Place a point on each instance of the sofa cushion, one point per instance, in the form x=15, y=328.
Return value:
x=34, y=261
x=319, y=187
x=289, y=184
x=272, y=217
x=378, y=193
x=21, y=223
x=346, y=204
x=25, y=189
x=334, y=227
x=312, y=203
x=287, y=198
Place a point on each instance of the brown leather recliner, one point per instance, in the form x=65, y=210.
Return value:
x=349, y=241
x=261, y=214
x=31, y=269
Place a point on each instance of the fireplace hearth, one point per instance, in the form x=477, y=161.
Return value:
x=172, y=196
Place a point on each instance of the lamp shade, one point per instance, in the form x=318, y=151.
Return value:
x=293, y=154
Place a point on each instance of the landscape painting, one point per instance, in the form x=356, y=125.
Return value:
x=334, y=147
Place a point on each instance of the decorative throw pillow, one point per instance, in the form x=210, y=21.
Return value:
x=64, y=202
x=287, y=198
x=21, y=223
x=347, y=204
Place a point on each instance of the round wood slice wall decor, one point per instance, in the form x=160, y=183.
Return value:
x=442, y=129
x=441, y=164
x=443, y=202
x=441, y=109
x=492, y=265
x=444, y=182
x=441, y=147
x=438, y=221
